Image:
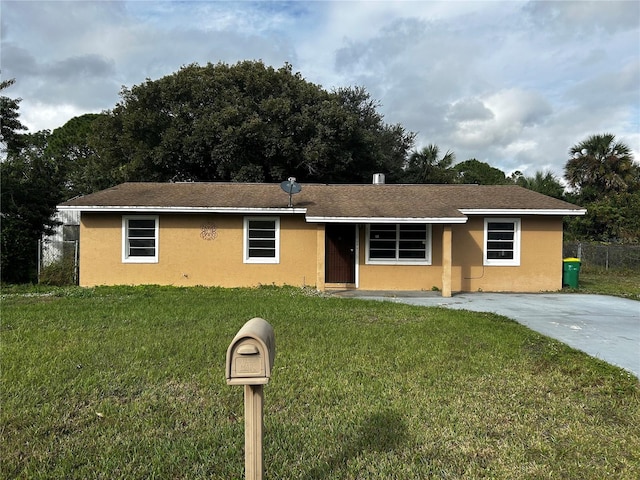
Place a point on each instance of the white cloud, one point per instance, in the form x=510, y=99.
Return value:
x=505, y=115
x=511, y=83
x=38, y=116
x=469, y=109
x=585, y=17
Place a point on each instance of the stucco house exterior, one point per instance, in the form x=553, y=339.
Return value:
x=454, y=238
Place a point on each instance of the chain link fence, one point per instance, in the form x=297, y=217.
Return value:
x=604, y=257
x=58, y=262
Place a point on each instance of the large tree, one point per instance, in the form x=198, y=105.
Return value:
x=481, y=173
x=10, y=124
x=600, y=166
x=615, y=218
x=427, y=166
x=247, y=122
x=29, y=193
x=71, y=148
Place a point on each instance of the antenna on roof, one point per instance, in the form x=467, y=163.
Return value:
x=291, y=186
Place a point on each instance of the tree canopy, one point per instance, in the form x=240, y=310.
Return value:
x=542, y=182
x=599, y=166
x=426, y=166
x=10, y=124
x=247, y=122
x=30, y=188
x=481, y=173
x=29, y=193
x=606, y=181
x=71, y=148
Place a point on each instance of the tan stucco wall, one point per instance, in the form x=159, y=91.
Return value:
x=540, y=258
x=540, y=262
x=185, y=258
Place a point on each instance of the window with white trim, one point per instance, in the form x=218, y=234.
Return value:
x=262, y=240
x=502, y=241
x=399, y=244
x=140, y=239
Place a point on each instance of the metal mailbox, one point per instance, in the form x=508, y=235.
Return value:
x=249, y=361
x=251, y=353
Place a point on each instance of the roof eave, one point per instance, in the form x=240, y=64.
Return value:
x=324, y=219
x=157, y=209
x=320, y=218
x=523, y=211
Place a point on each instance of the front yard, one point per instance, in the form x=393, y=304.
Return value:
x=129, y=383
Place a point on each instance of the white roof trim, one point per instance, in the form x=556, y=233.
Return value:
x=521, y=211
x=385, y=220
x=138, y=209
x=324, y=219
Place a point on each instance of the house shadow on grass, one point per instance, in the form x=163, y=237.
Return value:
x=381, y=432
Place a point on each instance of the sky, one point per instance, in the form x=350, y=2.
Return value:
x=515, y=84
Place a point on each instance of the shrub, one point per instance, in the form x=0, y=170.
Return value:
x=62, y=272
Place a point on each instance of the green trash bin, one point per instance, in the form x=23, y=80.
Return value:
x=571, y=272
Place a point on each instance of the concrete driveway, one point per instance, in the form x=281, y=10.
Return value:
x=604, y=327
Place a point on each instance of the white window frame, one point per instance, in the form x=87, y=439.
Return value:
x=399, y=261
x=246, y=256
x=126, y=256
x=510, y=262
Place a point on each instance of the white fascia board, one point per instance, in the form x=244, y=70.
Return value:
x=138, y=209
x=385, y=220
x=521, y=211
x=67, y=208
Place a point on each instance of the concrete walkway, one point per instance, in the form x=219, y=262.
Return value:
x=602, y=326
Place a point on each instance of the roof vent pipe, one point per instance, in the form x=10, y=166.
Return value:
x=378, y=178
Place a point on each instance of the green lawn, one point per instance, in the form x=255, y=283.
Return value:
x=129, y=383
x=613, y=282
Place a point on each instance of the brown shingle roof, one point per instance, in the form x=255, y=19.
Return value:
x=326, y=201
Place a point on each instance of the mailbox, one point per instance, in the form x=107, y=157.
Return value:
x=251, y=353
x=249, y=361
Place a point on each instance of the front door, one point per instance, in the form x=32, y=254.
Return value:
x=340, y=253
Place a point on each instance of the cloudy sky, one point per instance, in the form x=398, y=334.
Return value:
x=514, y=84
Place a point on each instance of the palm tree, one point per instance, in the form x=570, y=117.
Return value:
x=600, y=166
x=542, y=182
x=424, y=166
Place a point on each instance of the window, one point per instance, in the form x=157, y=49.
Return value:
x=140, y=239
x=70, y=233
x=399, y=244
x=261, y=240
x=502, y=241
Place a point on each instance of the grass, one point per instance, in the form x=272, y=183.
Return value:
x=620, y=283
x=128, y=382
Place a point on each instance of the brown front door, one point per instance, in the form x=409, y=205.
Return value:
x=340, y=253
